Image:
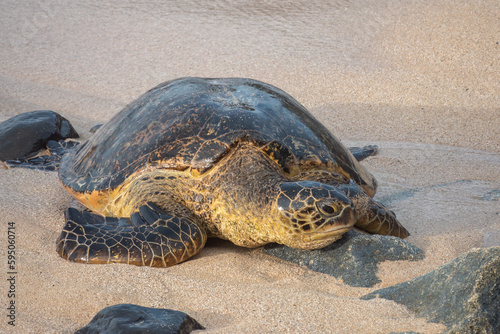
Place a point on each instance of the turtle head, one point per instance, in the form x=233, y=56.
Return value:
x=312, y=214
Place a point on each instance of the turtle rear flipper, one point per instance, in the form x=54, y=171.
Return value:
x=361, y=153
x=149, y=237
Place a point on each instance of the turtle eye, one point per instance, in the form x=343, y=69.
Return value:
x=327, y=208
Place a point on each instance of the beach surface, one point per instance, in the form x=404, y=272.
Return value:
x=419, y=79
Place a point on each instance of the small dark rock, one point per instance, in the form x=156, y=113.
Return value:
x=22, y=136
x=135, y=319
x=353, y=258
x=463, y=294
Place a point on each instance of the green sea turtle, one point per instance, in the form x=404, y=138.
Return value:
x=193, y=158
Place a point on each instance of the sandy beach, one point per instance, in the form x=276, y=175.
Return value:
x=419, y=79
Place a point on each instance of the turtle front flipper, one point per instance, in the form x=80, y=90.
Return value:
x=149, y=237
x=373, y=217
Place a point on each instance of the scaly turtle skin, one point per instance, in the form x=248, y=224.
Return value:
x=194, y=158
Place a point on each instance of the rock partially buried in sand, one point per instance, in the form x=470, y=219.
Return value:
x=24, y=135
x=129, y=318
x=463, y=294
x=353, y=258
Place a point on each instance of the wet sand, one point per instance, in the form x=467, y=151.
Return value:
x=418, y=79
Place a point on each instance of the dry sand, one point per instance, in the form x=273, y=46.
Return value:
x=419, y=79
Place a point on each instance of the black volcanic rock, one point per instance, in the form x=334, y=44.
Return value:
x=463, y=294
x=22, y=136
x=135, y=319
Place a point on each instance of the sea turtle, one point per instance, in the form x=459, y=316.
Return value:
x=232, y=158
